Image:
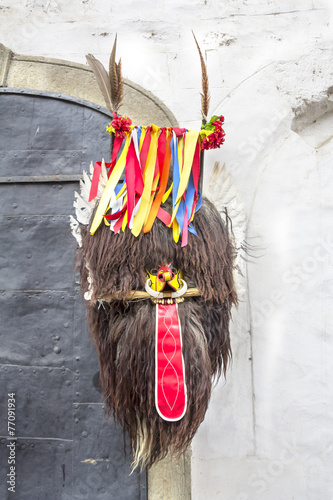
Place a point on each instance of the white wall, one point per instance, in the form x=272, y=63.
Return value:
x=268, y=432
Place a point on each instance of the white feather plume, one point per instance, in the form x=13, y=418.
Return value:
x=85, y=185
x=75, y=228
x=83, y=209
x=222, y=193
x=103, y=179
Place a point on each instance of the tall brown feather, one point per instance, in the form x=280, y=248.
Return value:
x=113, y=75
x=120, y=84
x=205, y=97
x=102, y=79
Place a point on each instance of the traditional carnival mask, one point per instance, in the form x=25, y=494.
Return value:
x=156, y=264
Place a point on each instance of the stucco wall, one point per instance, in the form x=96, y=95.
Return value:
x=268, y=432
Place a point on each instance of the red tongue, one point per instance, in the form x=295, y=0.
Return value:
x=170, y=389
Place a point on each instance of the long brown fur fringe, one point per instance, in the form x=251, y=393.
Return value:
x=124, y=331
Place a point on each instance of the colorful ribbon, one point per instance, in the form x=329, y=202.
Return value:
x=143, y=157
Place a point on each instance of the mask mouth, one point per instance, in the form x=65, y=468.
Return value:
x=168, y=288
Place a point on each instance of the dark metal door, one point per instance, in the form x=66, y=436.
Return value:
x=64, y=449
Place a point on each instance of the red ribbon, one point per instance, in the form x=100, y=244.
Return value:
x=118, y=224
x=164, y=216
x=134, y=181
x=170, y=389
x=95, y=180
x=117, y=214
x=161, y=150
x=196, y=168
x=185, y=228
x=96, y=176
x=116, y=147
x=145, y=149
x=179, y=131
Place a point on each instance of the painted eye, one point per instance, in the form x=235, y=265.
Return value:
x=153, y=272
x=173, y=269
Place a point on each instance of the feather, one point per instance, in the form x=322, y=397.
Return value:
x=116, y=79
x=76, y=231
x=120, y=84
x=222, y=193
x=113, y=77
x=111, y=85
x=205, y=97
x=102, y=79
x=85, y=185
x=103, y=179
x=83, y=209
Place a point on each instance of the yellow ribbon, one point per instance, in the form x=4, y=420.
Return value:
x=142, y=137
x=106, y=222
x=190, y=145
x=121, y=191
x=124, y=224
x=110, y=186
x=175, y=230
x=154, y=186
x=167, y=194
x=148, y=177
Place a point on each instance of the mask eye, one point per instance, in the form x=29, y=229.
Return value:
x=153, y=272
x=173, y=269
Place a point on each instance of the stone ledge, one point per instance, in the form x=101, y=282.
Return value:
x=77, y=80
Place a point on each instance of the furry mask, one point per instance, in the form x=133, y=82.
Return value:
x=115, y=266
x=158, y=275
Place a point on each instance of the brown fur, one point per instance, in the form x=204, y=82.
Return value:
x=123, y=331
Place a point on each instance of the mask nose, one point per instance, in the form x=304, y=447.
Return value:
x=165, y=274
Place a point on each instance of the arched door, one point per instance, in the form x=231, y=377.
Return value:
x=65, y=449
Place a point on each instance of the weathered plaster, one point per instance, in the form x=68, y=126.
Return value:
x=268, y=431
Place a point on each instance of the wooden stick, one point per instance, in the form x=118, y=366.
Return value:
x=141, y=295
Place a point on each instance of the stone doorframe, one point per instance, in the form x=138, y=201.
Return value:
x=170, y=479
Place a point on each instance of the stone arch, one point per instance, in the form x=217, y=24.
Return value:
x=77, y=80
